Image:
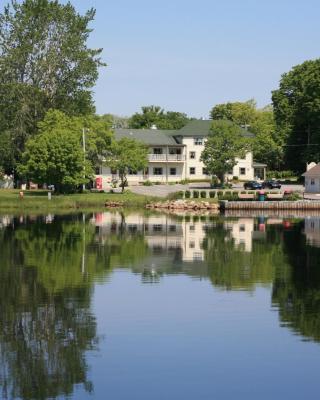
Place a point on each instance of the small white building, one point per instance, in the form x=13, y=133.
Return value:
x=174, y=155
x=312, y=178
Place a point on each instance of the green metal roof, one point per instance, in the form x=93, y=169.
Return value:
x=154, y=137
x=160, y=137
x=202, y=127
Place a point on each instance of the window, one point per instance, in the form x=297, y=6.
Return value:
x=157, y=228
x=242, y=171
x=198, y=141
x=242, y=228
x=192, y=244
x=173, y=171
x=146, y=171
x=98, y=170
x=204, y=171
x=312, y=181
x=157, y=150
x=192, y=170
x=157, y=171
x=172, y=228
x=192, y=154
x=191, y=228
x=132, y=172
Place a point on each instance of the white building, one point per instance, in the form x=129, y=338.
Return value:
x=174, y=155
x=312, y=178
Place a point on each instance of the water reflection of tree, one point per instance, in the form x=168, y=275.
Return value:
x=46, y=325
x=231, y=268
x=296, y=291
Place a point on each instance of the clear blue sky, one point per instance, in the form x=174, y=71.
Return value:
x=188, y=55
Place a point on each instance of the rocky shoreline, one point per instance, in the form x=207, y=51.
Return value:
x=183, y=205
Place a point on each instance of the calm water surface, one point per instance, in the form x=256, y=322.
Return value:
x=150, y=306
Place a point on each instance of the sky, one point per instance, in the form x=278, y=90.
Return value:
x=188, y=55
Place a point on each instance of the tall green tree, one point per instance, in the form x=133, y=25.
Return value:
x=267, y=144
x=56, y=155
x=241, y=113
x=297, y=113
x=127, y=155
x=155, y=115
x=225, y=142
x=44, y=63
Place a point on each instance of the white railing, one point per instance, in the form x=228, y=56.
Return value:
x=176, y=157
x=166, y=157
x=157, y=157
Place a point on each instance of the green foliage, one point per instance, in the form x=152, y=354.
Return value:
x=187, y=194
x=44, y=63
x=147, y=183
x=196, y=194
x=297, y=114
x=280, y=174
x=55, y=155
x=55, y=158
x=241, y=114
x=267, y=145
x=224, y=144
x=125, y=155
x=155, y=115
x=212, y=194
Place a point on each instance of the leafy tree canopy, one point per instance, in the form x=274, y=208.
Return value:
x=155, y=115
x=127, y=155
x=224, y=144
x=55, y=155
x=267, y=145
x=44, y=63
x=297, y=113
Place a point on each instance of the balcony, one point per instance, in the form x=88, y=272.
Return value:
x=166, y=157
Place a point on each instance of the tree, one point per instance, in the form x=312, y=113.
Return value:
x=55, y=157
x=97, y=129
x=224, y=144
x=44, y=63
x=297, y=114
x=127, y=155
x=267, y=144
x=155, y=115
x=241, y=113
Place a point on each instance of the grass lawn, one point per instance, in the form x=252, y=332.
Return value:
x=38, y=200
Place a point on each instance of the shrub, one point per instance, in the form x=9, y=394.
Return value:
x=158, y=183
x=219, y=193
x=187, y=194
x=196, y=194
x=184, y=181
x=203, y=194
x=147, y=183
x=235, y=178
x=280, y=174
x=212, y=194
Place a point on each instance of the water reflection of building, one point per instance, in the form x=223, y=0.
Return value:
x=312, y=230
x=184, y=237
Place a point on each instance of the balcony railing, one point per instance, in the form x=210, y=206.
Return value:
x=166, y=157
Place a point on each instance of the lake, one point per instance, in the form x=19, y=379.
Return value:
x=132, y=305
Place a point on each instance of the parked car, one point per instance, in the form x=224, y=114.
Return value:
x=271, y=185
x=253, y=185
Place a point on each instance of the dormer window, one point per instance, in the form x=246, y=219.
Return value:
x=198, y=141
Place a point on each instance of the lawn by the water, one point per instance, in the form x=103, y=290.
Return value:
x=38, y=200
